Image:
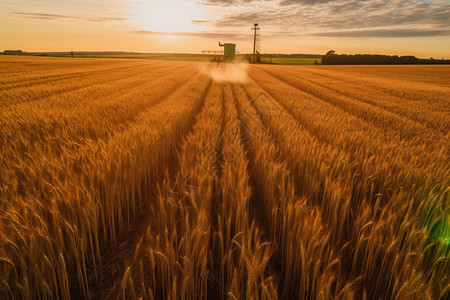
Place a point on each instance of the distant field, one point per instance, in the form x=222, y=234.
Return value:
x=147, y=56
x=206, y=58
x=192, y=57
x=291, y=60
x=169, y=57
x=143, y=179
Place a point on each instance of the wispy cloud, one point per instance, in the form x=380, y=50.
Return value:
x=300, y=17
x=202, y=22
x=384, y=33
x=216, y=35
x=225, y=2
x=399, y=18
x=45, y=16
x=305, y=2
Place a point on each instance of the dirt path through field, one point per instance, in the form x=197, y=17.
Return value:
x=113, y=263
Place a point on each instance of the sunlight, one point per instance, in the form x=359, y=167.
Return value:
x=168, y=15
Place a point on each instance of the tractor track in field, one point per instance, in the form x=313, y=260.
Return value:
x=300, y=122
x=113, y=264
x=412, y=116
x=345, y=253
x=215, y=288
x=167, y=181
x=283, y=159
x=219, y=164
x=56, y=79
x=255, y=198
x=256, y=210
x=367, y=82
x=276, y=140
x=83, y=139
x=314, y=131
x=155, y=102
x=344, y=102
x=78, y=88
x=370, y=122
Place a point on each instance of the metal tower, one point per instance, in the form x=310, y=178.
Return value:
x=256, y=44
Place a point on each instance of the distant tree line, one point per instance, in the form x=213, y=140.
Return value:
x=13, y=52
x=331, y=58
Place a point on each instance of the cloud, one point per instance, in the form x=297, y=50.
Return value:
x=305, y=2
x=44, y=16
x=281, y=3
x=329, y=18
x=225, y=2
x=39, y=16
x=215, y=35
x=246, y=19
x=384, y=33
x=201, y=22
x=303, y=16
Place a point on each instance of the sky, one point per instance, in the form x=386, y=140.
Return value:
x=400, y=27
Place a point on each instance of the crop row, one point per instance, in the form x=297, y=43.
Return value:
x=148, y=180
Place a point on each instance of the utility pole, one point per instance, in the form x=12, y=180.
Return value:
x=255, y=28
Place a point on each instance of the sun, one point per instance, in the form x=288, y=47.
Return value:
x=168, y=16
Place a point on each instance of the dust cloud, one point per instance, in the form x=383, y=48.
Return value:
x=226, y=72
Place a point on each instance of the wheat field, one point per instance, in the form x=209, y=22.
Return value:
x=132, y=179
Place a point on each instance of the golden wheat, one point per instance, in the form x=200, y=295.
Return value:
x=146, y=179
